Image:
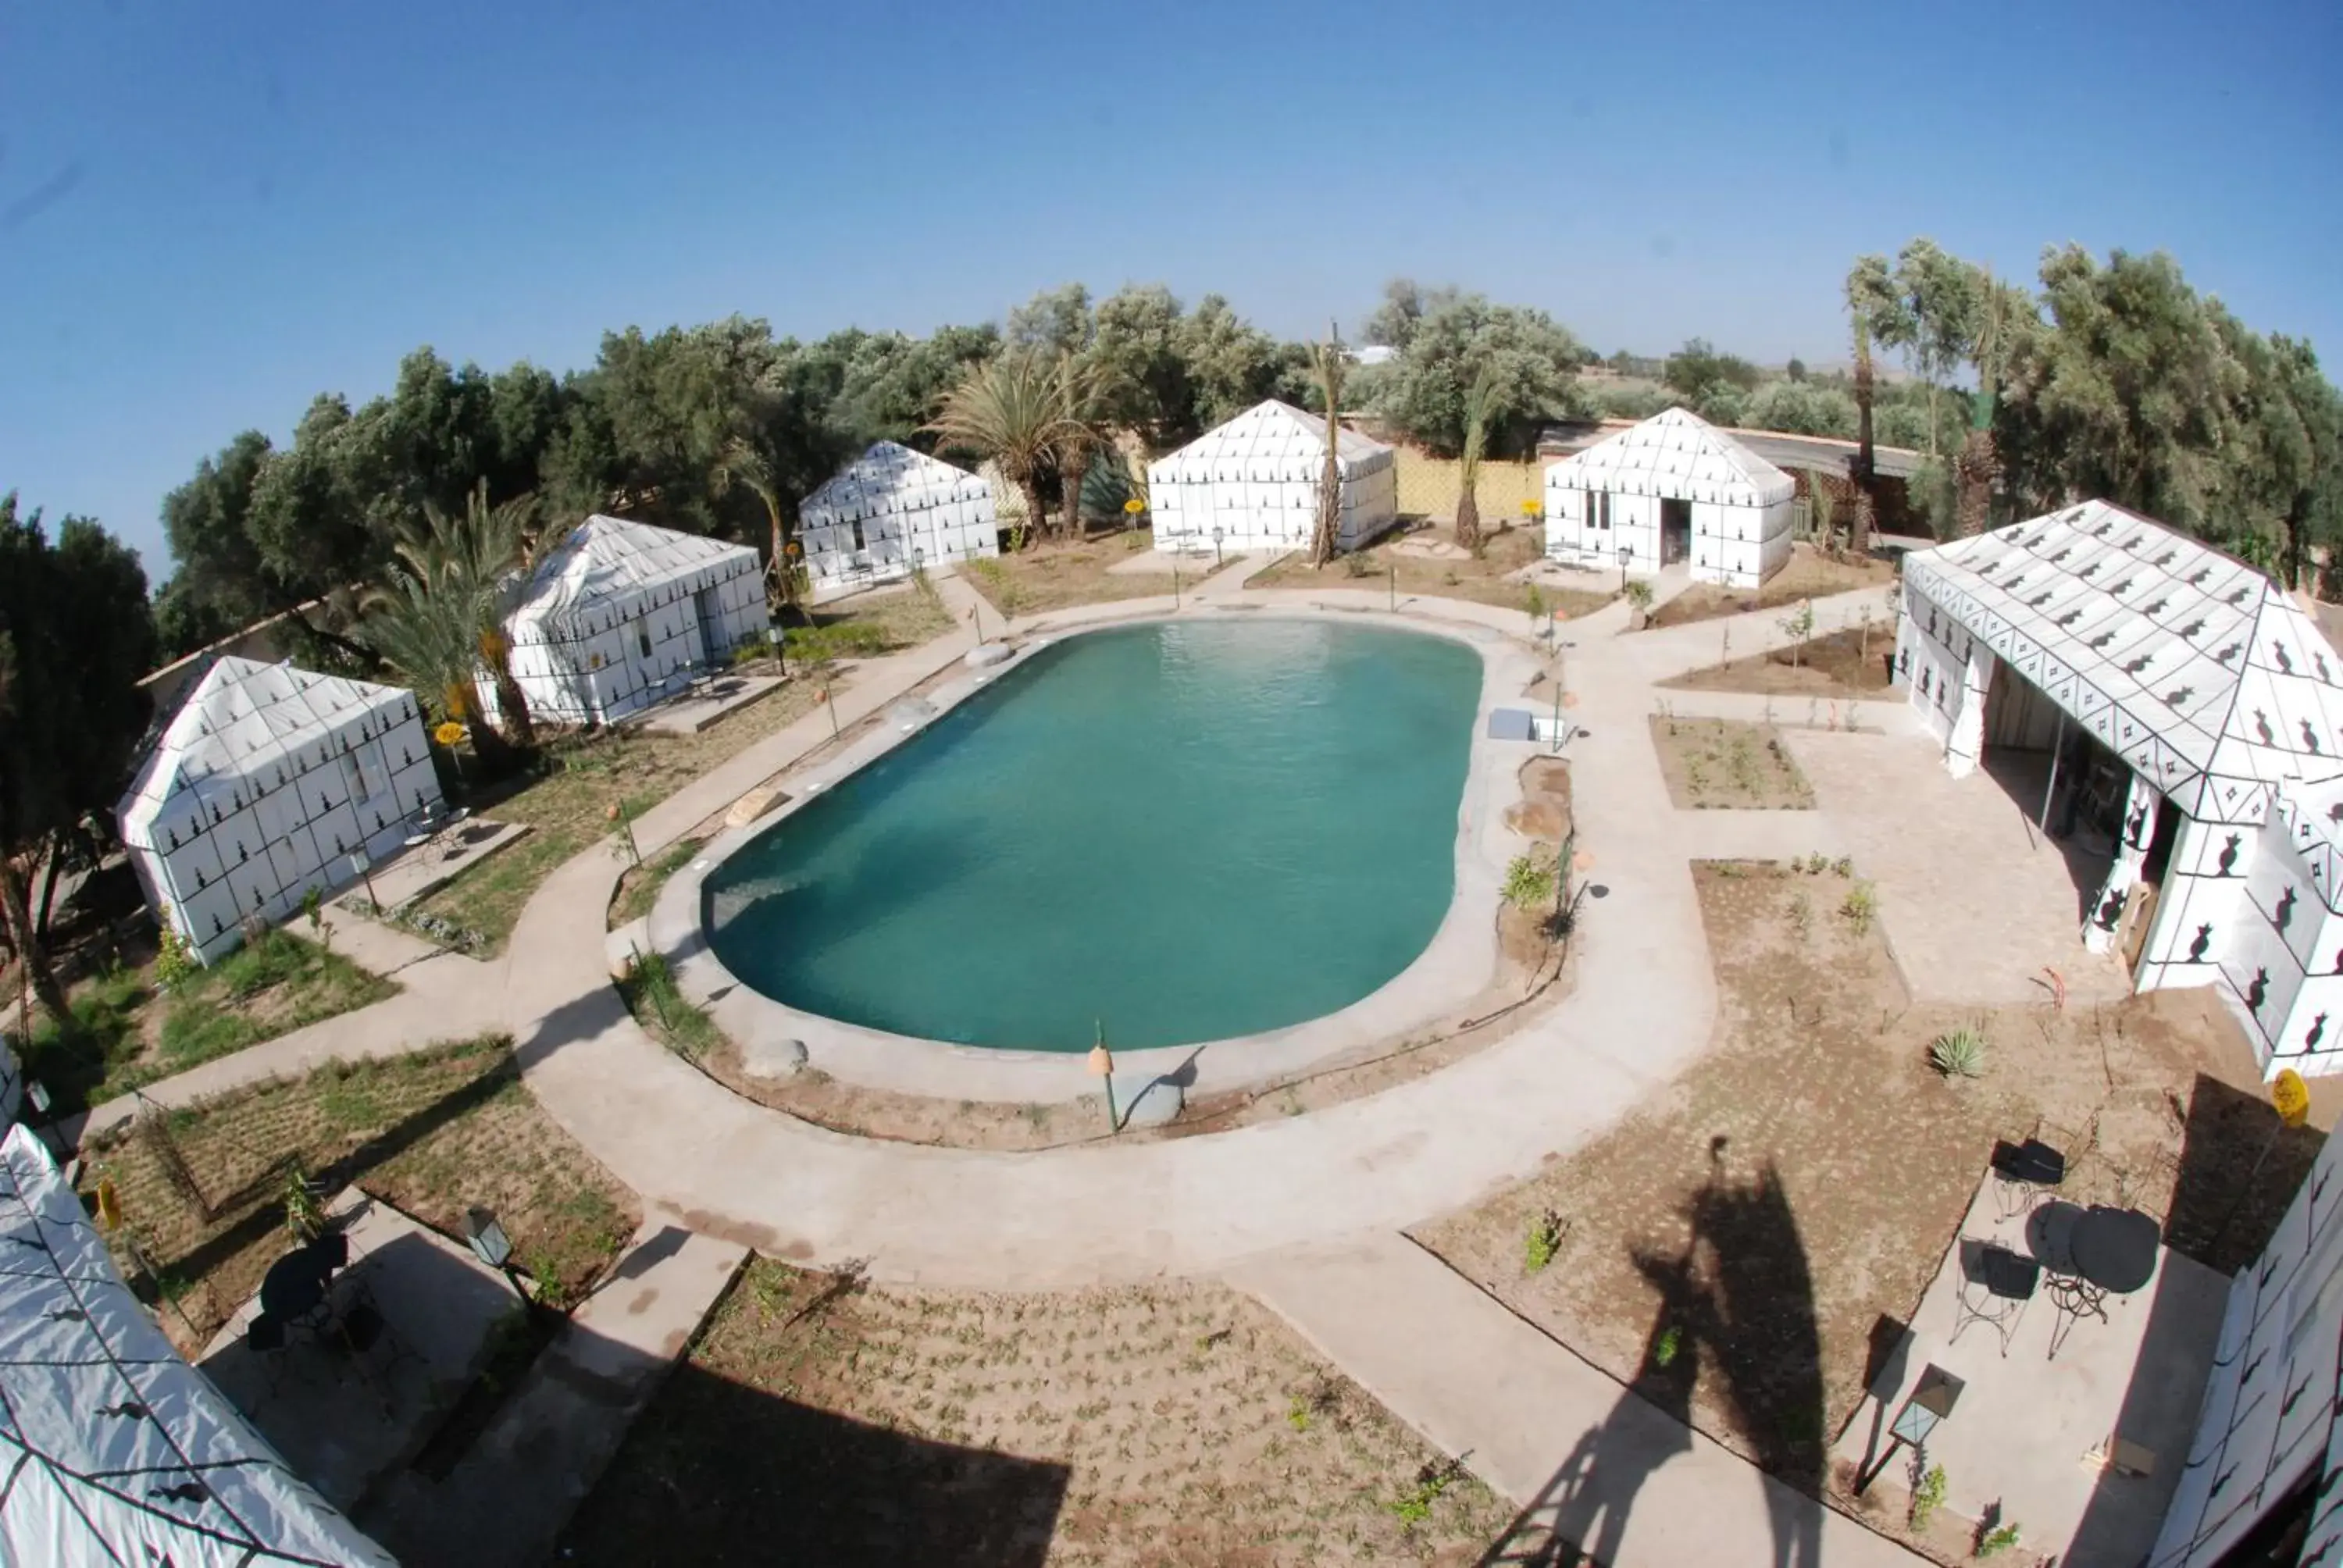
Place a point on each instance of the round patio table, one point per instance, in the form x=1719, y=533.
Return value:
x=2115, y=1248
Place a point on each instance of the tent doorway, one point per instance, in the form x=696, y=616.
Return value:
x=711, y=624
x=1675, y=530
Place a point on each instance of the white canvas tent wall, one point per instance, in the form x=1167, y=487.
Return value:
x=868, y=520
x=617, y=616
x=1609, y=497
x=1255, y=479
x=263, y=786
x=113, y=1449
x=2222, y=696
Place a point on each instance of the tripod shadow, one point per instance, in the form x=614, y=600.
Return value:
x=1738, y=1299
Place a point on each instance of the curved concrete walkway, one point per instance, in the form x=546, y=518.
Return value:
x=1643, y=1012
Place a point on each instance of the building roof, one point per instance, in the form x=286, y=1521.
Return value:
x=1677, y=455
x=241, y=714
x=606, y=560
x=884, y=474
x=1276, y=430
x=2189, y=664
x=116, y=1449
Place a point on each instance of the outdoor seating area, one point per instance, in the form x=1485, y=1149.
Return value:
x=699, y=697
x=436, y=847
x=358, y=1343
x=2054, y=1368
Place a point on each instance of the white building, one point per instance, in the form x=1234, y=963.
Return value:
x=2197, y=709
x=889, y=509
x=2266, y=1467
x=1252, y=484
x=116, y=1449
x=618, y=615
x=1672, y=489
x=263, y=786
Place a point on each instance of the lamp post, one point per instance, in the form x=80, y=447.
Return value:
x=1626, y=554
x=1216, y=547
x=1931, y=1401
x=493, y=1247
x=779, y=645
x=1103, y=1067
x=364, y=870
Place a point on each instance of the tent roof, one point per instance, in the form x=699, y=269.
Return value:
x=609, y=559
x=2192, y=666
x=885, y=466
x=116, y=1449
x=1275, y=429
x=241, y=712
x=1678, y=455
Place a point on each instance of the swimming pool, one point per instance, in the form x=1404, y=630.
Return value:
x=1183, y=831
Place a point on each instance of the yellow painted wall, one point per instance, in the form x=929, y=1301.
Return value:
x=1428, y=485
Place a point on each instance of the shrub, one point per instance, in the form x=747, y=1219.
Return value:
x=1927, y=1497
x=1543, y=1241
x=1639, y=593
x=173, y=959
x=1959, y=1053
x=1528, y=881
x=1860, y=908
x=1995, y=1541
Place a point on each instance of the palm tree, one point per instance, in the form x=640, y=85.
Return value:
x=1330, y=365
x=748, y=466
x=1478, y=399
x=1010, y=409
x=1082, y=396
x=454, y=580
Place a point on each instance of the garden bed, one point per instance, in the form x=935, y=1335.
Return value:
x=133, y=1029
x=1809, y=574
x=203, y=1189
x=1843, y=664
x=1726, y=764
x=1731, y=1247
x=820, y=1421
x=1048, y=575
x=1483, y=579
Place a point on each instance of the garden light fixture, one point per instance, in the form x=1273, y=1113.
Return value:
x=1626, y=554
x=492, y=1246
x=1101, y=1066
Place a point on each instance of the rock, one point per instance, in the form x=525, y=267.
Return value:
x=620, y=947
x=1157, y=1105
x=986, y=654
x=772, y=1057
x=754, y=804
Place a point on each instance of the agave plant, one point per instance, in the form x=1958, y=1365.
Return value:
x=1959, y=1053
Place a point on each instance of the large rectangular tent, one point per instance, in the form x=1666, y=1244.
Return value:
x=892, y=510
x=115, y=1450
x=1252, y=484
x=263, y=785
x=2210, y=703
x=1672, y=489
x=618, y=615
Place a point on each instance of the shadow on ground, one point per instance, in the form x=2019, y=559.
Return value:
x=1738, y=1300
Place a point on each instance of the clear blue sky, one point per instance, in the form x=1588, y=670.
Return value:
x=210, y=212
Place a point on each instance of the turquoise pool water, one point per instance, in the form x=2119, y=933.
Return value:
x=1187, y=831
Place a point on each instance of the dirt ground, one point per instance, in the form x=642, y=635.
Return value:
x=818, y=1420
x=429, y=1134
x=1810, y=574
x=1715, y=764
x=1730, y=1248
x=1843, y=664
x=1048, y=577
x=1484, y=581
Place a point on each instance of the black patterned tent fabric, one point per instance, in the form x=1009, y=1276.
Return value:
x=2192, y=666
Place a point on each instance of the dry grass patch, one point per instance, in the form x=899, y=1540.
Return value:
x=1055, y=575
x=1713, y=764
x=1730, y=1247
x=1458, y=576
x=203, y=1189
x=1810, y=574
x=1843, y=664
x=818, y=1421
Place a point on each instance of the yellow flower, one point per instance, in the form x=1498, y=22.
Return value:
x=449, y=734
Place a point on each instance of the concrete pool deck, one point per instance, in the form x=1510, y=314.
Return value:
x=1457, y=969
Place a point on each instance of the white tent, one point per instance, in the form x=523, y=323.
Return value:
x=116, y=1451
x=890, y=509
x=1673, y=487
x=619, y=613
x=2219, y=696
x=1254, y=482
x=265, y=784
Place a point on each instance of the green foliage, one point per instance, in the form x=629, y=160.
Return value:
x=1859, y=908
x=1413, y=1506
x=305, y=1211
x=1639, y=593
x=1995, y=1541
x=1542, y=1241
x=1927, y=1497
x=1696, y=371
x=1529, y=880
x=1958, y=1054
x=1533, y=602
x=174, y=960
x=651, y=990
x=1447, y=339
x=999, y=586
x=1666, y=1346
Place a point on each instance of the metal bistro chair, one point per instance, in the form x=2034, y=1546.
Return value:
x=2022, y=1174
x=1996, y=1285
